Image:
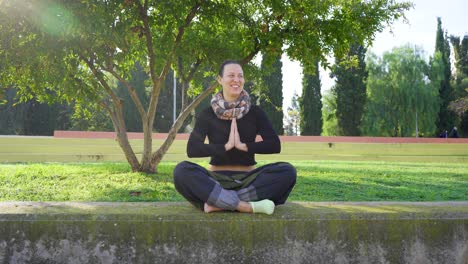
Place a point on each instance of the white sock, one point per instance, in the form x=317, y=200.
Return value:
x=263, y=206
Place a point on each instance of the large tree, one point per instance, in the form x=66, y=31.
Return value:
x=446, y=118
x=66, y=50
x=271, y=99
x=311, y=102
x=400, y=100
x=460, y=105
x=350, y=91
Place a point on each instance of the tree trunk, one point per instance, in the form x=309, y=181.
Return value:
x=122, y=138
x=159, y=154
x=147, y=147
x=127, y=149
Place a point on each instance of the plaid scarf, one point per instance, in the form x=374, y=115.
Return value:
x=229, y=110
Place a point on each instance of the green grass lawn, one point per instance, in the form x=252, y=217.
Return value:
x=317, y=181
x=37, y=149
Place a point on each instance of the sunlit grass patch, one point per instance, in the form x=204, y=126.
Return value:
x=317, y=181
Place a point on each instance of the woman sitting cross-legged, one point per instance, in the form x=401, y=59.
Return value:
x=232, y=182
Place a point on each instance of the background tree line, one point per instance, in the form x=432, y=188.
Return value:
x=399, y=94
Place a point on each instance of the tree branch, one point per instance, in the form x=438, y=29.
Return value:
x=111, y=114
x=186, y=77
x=249, y=57
x=132, y=91
x=193, y=70
x=179, y=121
x=157, y=83
x=143, y=9
x=178, y=39
x=115, y=99
x=98, y=74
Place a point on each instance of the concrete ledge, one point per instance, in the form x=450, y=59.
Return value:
x=383, y=232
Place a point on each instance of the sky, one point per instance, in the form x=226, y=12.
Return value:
x=420, y=30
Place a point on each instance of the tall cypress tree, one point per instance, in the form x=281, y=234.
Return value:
x=350, y=91
x=446, y=117
x=460, y=106
x=311, y=103
x=272, y=99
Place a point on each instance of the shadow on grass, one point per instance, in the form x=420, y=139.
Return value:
x=317, y=188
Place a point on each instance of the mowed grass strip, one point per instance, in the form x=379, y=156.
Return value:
x=49, y=149
x=84, y=182
x=317, y=181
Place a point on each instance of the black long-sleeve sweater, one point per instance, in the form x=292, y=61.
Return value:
x=254, y=123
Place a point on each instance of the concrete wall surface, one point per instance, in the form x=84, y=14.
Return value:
x=310, y=232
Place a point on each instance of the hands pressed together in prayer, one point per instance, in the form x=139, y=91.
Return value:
x=234, y=139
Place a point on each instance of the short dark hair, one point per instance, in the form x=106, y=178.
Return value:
x=226, y=62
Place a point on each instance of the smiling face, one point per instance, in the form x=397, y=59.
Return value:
x=232, y=81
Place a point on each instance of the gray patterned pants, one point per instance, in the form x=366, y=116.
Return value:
x=273, y=181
